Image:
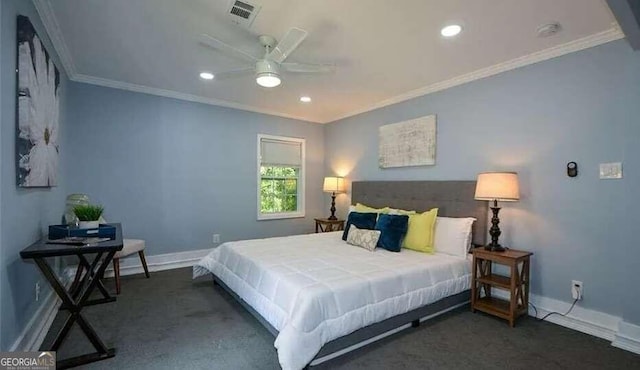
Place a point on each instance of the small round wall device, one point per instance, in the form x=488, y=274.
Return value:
x=572, y=169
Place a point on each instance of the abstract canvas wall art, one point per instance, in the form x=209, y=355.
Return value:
x=408, y=143
x=38, y=110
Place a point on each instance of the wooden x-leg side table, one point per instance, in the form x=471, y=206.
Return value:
x=516, y=284
x=77, y=296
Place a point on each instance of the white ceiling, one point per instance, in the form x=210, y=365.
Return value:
x=384, y=51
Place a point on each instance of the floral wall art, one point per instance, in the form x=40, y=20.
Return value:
x=38, y=110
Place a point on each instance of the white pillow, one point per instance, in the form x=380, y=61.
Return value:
x=396, y=211
x=453, y=235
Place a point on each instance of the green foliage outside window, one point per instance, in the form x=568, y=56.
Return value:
x=278, y=189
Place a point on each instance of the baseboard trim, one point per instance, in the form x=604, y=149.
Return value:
x=35, y=331
x=584, y=320
x=622, y=334
x=587, y=321
x=627, y=337
x=159, y=262
x=38, y=326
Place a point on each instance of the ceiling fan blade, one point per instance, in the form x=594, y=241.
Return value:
x=225, y=48
x=234, y=73
x=287, y=45
x=308, y=68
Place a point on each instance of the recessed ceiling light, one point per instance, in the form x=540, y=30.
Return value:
x=451, y=30
x=305, y=99
x=206, y=75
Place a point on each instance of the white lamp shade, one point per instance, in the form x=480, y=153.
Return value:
x=333, y=185
x=501, y=186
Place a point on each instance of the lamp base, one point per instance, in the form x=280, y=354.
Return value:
x=333, y=207
x=495, y=230
x=495, y=248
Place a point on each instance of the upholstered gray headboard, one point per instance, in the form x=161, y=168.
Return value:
x=452, y=198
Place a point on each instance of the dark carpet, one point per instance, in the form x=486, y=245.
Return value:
x=172, y=322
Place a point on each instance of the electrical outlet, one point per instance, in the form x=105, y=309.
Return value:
x=576, y=289
x=216, y=238
x=37, y=291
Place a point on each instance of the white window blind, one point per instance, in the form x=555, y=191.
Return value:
x=280, y=153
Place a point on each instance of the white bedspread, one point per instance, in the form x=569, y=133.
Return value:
x=315, y=288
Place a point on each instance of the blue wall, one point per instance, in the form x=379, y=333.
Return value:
x=581, y=107
x=24, y=213
x=175, y=172
x=629, y=253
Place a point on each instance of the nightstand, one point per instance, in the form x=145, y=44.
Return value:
x=517, y=283
x=324, y=225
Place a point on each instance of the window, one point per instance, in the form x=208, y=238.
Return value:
x=280, y=177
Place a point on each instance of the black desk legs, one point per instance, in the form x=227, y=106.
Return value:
x=75, y=305
x=100, y=286
x=81, y=281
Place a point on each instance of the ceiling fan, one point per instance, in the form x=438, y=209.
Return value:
x=268, y=69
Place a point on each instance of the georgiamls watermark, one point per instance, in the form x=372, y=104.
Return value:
x=28, y=360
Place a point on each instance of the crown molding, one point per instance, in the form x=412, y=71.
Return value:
x=51, y=25
x=180, y=96
x=612, y=34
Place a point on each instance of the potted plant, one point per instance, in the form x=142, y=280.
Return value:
x=88, y=215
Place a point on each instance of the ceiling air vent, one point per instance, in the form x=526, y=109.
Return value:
x=242, y=12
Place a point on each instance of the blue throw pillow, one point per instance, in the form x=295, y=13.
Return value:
x=392, y=228
x=361, y=221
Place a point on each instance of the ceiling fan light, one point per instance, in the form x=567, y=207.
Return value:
x=268, y=79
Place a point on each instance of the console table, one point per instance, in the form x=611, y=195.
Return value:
x=77, y=296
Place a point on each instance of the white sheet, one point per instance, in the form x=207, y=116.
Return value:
x=315, y=288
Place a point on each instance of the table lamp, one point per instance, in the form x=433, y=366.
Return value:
x=497, y=186
x=333, y=185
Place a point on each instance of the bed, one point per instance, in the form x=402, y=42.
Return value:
x=321, y=298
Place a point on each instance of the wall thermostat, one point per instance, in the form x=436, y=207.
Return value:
x=572, y=169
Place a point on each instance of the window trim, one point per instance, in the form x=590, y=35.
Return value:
x=301, y=180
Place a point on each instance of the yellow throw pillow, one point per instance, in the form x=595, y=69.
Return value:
x=421, y=232
x=361, y=208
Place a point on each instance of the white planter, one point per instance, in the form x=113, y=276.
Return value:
x=89, y=224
